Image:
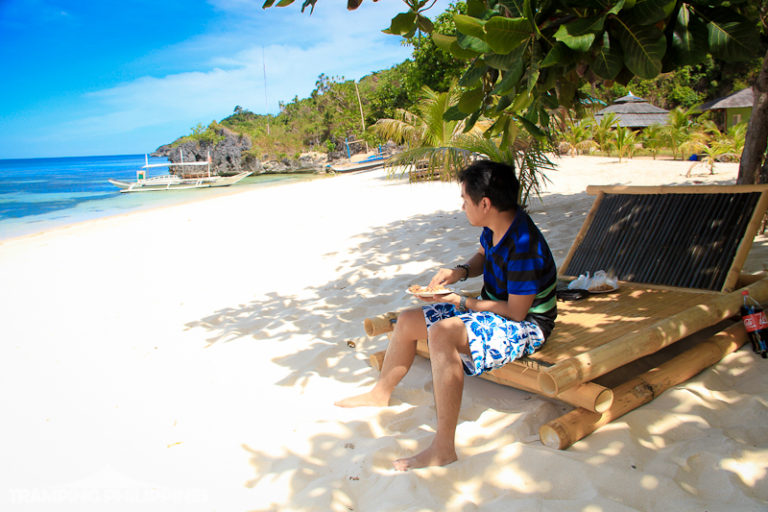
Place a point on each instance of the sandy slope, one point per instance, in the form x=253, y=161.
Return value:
x=187, y=359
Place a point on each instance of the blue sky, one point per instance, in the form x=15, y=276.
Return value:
x=122, y=77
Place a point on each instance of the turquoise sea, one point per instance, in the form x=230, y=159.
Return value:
x=37, y=194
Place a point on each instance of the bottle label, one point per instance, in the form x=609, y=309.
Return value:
x=755, y=321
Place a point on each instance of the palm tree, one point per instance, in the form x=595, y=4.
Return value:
x=624, y=140
x=526, y=154
x=653, y=140
x=735, y=138
x=601, y=131
x=577, y=137
x=443, y=146
x=678, y=129
x=713, y=152
x=710, y=142
x=429, y=137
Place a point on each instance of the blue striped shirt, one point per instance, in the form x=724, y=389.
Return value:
x=521, y=264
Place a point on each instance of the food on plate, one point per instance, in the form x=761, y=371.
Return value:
x=602, y=288
x=427, y=290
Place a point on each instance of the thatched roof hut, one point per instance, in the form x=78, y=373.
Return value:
x=634, y=112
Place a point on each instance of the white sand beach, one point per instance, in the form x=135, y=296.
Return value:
x=188, y=358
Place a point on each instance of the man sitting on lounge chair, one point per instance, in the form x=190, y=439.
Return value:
x=512, y=317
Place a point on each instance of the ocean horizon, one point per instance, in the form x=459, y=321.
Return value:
x=39, y=194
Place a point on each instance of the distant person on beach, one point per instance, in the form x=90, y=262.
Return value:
x=512, y=317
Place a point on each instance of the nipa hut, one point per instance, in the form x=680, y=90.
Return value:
x=634, y=112
x=735, y=108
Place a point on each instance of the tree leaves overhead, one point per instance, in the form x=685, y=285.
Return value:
x=731, y=38
x=649, y=12
x=643, y=48
x=470, y=101
x=451, y=45
x=506, y=34
x=608, y=59
x=572, y=35
x=689, y=37
x=404, y=24
x=526, y=56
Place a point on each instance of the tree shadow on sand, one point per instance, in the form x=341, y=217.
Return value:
x=342, y=467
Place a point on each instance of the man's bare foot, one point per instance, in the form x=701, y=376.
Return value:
x=429, y=457
x=369, y=399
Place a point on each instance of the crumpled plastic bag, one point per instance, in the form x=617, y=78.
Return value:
x=580, y=283
x=599, y=282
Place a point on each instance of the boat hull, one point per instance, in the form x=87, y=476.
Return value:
x=166, y=183
x=361, y=166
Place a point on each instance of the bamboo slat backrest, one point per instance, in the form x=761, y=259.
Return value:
x=690, y=237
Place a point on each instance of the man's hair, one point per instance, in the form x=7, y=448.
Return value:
x=493, y=180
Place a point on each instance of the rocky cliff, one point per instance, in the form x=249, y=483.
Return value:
x=231, y=156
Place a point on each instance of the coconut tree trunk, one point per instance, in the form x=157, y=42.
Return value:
x=753, y=166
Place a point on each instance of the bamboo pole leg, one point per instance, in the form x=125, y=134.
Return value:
x=380, y=324
x=579, y=423
x=589, y=395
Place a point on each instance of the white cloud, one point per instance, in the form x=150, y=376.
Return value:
x=224, y=68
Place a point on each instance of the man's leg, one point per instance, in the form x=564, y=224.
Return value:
x=447, y=339
x=401, y=352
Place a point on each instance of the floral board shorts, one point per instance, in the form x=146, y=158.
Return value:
x=493, y=340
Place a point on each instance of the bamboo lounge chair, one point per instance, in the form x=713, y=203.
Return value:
x=678, y=253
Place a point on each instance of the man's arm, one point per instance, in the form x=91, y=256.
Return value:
x=515, y=308
x=447, y=276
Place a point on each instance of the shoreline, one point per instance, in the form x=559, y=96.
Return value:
x=603, y=160
x=227, y=191
x=190, y=356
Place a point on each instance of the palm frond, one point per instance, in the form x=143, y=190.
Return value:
x=396, y=130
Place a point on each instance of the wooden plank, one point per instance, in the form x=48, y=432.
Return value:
x=584, y=325
x=675, y=189
x=746, y=243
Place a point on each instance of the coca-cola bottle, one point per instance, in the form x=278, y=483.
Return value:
x=756, y=324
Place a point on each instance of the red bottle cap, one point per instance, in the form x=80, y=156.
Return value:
x=745, y=292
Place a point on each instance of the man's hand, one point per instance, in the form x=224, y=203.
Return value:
x=446, y=276
x=450, y=298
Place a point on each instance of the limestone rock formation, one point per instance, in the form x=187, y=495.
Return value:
x=231, y=156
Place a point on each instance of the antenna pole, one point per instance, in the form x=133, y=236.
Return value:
x=266, y=101
x=362, y=119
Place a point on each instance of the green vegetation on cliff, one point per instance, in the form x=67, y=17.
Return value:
x=498, y=84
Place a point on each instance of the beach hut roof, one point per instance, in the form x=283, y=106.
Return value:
x=742, y=98
x=630, y=98
x=635, y=112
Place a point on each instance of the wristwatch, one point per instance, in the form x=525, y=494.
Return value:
x=463, y=303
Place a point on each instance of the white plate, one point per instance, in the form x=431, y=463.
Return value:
x=444, y=291
x=604, y=291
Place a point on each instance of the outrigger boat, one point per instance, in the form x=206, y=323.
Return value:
x=175, y=182
x=370, y=163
